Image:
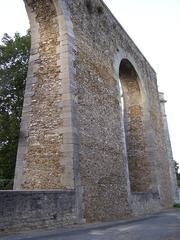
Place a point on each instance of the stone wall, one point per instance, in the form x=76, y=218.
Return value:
x=105, y=162
x=139, y=171
x=75, y=133
x=24, y=210
x=174, y=185
x=46, y=145
x=102, y=171
x=145, y=203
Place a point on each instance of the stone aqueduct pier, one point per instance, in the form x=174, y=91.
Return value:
x=93, y=143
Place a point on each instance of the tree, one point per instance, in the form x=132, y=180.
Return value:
x=177, y=172
x=14, y=56
x=176, y=167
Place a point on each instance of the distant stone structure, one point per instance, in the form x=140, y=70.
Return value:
x=92, y=124
x=173, y=179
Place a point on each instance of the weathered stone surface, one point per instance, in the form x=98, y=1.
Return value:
x=174, y=185
x=44, y=120
x=24, y=210
x=91, y=119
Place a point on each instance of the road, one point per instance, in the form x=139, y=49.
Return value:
x=163, y=226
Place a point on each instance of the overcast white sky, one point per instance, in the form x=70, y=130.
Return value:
x=154, y=25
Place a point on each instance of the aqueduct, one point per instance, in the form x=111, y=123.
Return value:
x=82, y=156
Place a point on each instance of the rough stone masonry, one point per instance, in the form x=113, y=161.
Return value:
x=92, y=121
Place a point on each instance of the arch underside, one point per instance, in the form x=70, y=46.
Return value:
x=139, y=169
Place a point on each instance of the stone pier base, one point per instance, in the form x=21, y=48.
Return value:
x=25, y=210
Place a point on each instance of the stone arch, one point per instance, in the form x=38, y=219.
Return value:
x=48, y=102
x=133, y=114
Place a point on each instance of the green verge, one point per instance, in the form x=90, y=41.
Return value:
x=176, y=205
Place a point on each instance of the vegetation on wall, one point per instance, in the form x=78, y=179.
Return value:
x=14, y=56
x=92, y=9
x=99, y=9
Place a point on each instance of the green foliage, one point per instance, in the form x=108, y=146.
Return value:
x=176, y=205
x=14, y=56
x=176, y=165
x=178, y=181
x=100, y=9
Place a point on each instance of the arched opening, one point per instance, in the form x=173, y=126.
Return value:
x=132, y=101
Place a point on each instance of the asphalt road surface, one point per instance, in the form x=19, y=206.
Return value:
x=163, y=226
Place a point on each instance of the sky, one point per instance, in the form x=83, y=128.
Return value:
x=154, y=27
